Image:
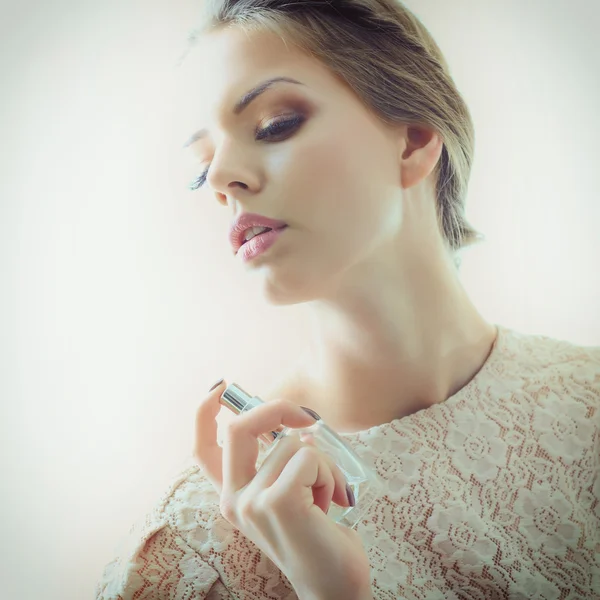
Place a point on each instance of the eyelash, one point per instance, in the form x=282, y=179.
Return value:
x=286, y=124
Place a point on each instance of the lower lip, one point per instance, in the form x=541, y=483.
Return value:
x=260, y=243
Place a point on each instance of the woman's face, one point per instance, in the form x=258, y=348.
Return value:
x=333, y=176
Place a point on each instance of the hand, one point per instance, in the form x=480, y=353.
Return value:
x=281, y=508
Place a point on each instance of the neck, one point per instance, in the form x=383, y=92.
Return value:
x=376, y=357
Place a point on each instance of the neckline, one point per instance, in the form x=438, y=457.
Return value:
x=493, y=357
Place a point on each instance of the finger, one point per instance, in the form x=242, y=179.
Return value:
x=207, y=452
x=240, y=447
x=340, y=494
x=307, y=477
x=275, y=462
x=323, y=493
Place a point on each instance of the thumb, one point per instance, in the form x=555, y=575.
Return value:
x=207, y=452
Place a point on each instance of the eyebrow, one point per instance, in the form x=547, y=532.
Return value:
x=246, y=99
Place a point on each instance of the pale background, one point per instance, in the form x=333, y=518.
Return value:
x=119, y=303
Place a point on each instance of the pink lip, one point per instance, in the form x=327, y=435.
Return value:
x=247, y=220
x=260, y=243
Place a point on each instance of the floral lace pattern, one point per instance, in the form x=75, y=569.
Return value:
x=492, y=494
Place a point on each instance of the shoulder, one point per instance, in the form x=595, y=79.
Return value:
x=185, y=544
x=544, y=359
x=193, y=509
x=546, y=391
x=155, y=555
x=157, y=560
x=190, y=507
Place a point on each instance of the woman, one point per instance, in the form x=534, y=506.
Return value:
x=488, y=440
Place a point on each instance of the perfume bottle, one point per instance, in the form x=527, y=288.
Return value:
x=365, y=483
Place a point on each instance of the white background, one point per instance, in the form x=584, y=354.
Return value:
x=118, y=302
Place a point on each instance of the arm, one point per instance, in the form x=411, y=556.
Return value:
x=162, y=566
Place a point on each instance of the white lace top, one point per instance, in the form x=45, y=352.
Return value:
x=493, y=494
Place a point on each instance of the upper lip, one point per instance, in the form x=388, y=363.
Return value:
x=247, y=220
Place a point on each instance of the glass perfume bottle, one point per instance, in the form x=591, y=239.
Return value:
x=365, y=483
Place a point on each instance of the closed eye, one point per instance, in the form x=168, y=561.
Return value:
x=273, y=130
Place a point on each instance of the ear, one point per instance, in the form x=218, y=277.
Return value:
x=421, y=148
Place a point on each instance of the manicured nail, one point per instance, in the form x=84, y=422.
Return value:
x=311, y=412
x=351, y=499
x=216, y=385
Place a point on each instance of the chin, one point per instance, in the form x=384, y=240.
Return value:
x=287, y=290
x=278, y=296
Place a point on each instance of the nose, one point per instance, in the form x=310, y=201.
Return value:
x=225, y=199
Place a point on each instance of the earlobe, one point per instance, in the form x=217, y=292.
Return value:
x=421, y=150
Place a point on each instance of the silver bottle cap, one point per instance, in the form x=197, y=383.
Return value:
x=238, y=400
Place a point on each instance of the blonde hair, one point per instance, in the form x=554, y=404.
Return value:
x=390, y=60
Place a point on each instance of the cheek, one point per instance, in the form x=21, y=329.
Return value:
x=343, y=189
x=322, y=175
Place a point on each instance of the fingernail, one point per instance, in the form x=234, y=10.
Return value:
x=351, y=499
x=216, y=384
x=311, y=412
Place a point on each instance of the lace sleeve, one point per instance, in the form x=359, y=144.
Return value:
x=163, y=567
